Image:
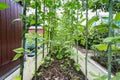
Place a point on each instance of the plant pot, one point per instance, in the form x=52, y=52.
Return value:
x=31, y=54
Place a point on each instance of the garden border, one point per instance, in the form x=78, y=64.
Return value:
x=92, y=66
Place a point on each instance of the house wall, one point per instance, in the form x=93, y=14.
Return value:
x=10, y=35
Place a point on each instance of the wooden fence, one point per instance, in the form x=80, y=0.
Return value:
x=10, y=35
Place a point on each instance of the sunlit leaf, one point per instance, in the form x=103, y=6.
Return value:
x=112, y=39
x=19, y=50
x=117, y=17
x=17, y=56
x=118, y=74
x=90, y=4
x=116, y=77
x=3, y=6
x=33, y=71
x=42, y=61
x=17, y=78
x=101, y=47
x=77, y=66
x=32, y=22
x=105, y=1
x=104, y=77
x=59, y=56
x=92, y=20
x=101, y=27
x=92, y=74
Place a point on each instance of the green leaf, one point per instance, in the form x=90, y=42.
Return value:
x=17, y=78
x=17, y=56
x=3, y=6
x=30, y=42
x=32, y=22
x=42, y=61
x=117, y=17
x=19, y=50
x=92, y=20
x=105, y=1
x=90, y=4
x=118, y=74
x=77, y=66
x=48, y=58
x=29, y=36
x=101, y=28
x=116, y=77
x=109, y=39
x=112, y=39
x=104, y=77
x=98, y=76
x=115, y=26
x=83, y=42
x=117, y=60
x=101, y=47
x=59, y=56
x=33, y=71
x=92, y=74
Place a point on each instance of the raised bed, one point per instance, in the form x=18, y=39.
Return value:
x=59, y=69
x=55, y=71
x=93, y=67
x=103, y=61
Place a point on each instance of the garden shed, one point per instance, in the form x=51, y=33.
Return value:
x=10, y=35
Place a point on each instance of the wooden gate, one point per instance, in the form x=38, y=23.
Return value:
x=10, y=35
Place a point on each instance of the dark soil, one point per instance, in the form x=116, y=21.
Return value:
x=60, y=70
x=103, y=61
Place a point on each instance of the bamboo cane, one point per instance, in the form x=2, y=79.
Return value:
x=36, y=21
x=86, y=39
x=110, y=34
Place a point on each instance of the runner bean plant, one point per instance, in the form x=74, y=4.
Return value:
x=65, y=24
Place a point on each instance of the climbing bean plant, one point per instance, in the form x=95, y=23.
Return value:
x=63, y=24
